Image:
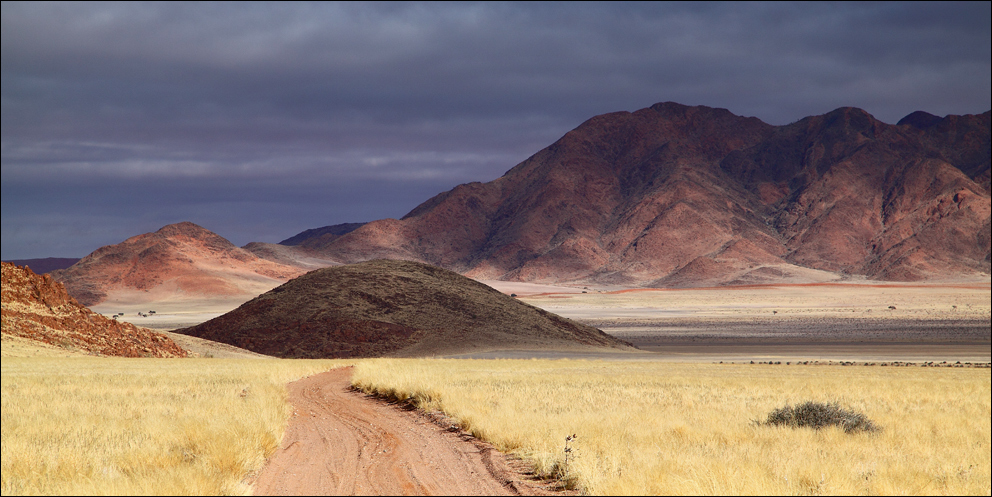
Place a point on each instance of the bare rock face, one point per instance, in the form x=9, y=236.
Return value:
x=180, y=259
x=39, y=308
x=863, y=197
x=45, y=265
x=689, y=196
x=396, y=308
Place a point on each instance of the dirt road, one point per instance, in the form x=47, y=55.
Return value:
x=341, y=442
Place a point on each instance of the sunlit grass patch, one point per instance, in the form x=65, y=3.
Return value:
x=142, y=426
x=674, y=428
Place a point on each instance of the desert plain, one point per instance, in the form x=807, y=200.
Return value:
x=681, y=415
x=868, y=321
x=834, y=321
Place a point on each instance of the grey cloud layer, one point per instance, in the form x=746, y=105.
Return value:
x=341, y=97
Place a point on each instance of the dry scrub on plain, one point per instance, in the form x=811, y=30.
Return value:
x=909, y=301
x=205, y=426
x=675, y=428
x=142, y=426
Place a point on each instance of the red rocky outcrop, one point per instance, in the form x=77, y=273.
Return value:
x=39, y=308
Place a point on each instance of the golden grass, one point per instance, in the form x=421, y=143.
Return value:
x=142, y=426
x=675, y=428
x=205, y=426
x=15, y=346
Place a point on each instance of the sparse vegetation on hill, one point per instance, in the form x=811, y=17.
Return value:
x=399, y=308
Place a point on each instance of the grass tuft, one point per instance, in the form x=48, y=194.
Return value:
x=818, y=415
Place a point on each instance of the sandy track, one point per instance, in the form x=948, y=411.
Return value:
x=341, y=442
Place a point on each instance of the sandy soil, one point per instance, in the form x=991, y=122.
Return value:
x=170, y=314
x=530, y=289
x=341, y=442
x=866, y=321
x=889, y=300
x=198, y=347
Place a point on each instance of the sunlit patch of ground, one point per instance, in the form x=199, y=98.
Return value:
x=666, y=428
x=83, y=426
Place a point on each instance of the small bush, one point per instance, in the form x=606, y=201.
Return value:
x=817, y=415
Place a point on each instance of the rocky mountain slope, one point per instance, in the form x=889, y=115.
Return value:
x=392, y=308
x=178, y=261
x=683, y=196
x=38, y=308
x=45, y=265
x=323, y=235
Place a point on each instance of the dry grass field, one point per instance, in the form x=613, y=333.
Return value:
x=677, y=428
x=83, y=426
x=88, y=425
x=205, y=426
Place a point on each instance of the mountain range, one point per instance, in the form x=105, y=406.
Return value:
x=667, y=196
x=673, y=195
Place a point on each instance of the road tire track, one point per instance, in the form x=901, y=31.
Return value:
x=342, y=442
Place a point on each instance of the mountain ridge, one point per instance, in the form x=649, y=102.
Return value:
x=632, y=198
x=666, y=196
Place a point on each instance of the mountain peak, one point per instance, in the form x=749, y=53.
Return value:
x=186, y=229
x=182, y=257
x=853, y=117
x=920, y=120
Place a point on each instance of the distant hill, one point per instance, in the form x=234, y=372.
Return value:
x=393, y=308
x=290, y=255
x=37, y=308
x=48, y=264
x=674, y=195
x=327, y=233
x=179, y=261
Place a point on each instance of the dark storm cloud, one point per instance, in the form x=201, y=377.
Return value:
x=261, y=120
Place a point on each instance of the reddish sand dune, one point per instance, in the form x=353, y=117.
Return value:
x=340, y=442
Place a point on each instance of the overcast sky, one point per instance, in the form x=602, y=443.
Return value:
x=258, y=121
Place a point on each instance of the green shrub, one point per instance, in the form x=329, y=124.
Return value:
x=817, y=415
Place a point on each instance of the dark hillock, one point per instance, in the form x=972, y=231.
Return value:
x=395, y=308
